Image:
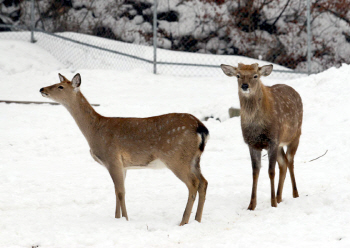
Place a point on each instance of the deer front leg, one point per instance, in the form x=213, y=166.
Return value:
x=117, y=208
x=118, y=176
x=255, y=156
x=272, y=152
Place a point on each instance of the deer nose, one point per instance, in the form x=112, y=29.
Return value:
x=42, y=89
x=245, y=86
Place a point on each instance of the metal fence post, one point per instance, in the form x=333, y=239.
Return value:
x=32, y=22
x=155, y=36
x=308, y=38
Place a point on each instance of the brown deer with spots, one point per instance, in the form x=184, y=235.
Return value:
x=175, y=140
x=271, y=118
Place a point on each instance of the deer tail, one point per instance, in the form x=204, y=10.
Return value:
x=204, y=135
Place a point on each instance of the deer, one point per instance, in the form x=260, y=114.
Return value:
x=175, y=140
x=271, y=118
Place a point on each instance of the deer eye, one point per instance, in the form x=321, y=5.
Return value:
x=255, y=76
x=238, y=76
x=60, y=87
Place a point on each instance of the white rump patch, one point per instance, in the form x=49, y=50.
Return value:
x=199, y=136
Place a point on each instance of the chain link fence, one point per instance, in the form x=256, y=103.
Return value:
x=184, y=37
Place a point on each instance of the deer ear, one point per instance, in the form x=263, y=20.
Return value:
x=229, y=70
x=255, y=66
x=265, y=70
x=76, y=81
x=61, y=77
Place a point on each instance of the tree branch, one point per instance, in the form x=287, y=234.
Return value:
x=278, y=17
x=87, y=12
x=336, y=14
x=318, y=157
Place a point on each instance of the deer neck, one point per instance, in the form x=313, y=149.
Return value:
x=87, y=119
x=255, y=107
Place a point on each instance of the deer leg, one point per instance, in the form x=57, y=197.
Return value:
x=118, y=177
x=282, y=163
x=117, y=208
x=255, y=156
x=202, y=190
x=186, y=173
x=292, y=149
x=272, y=152
x=192, y=184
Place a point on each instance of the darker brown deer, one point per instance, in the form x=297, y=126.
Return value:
x=176, y=140
x=271, y=118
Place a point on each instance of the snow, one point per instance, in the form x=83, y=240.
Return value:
x=53, y=194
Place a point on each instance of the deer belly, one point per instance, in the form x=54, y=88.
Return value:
x=155, y=164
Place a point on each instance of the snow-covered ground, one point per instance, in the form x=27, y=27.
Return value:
x=53, y=194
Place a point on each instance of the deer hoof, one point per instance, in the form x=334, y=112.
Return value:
x=182, y=223
x=295, y=194
x=252, y=206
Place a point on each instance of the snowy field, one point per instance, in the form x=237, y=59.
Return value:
x=53, y=194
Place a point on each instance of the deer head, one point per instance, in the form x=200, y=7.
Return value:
x=64, y=91
x=248, y=76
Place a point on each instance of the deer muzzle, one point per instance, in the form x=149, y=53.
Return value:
x=43, y=93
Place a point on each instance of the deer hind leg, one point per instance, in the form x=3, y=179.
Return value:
x=292, y=149
x=272, y=152
x=282, y=163
x=202, y=190
x=118, y=177
x=192, y=183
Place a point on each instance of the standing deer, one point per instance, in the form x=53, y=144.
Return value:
x=177, y=140
x=271, y=117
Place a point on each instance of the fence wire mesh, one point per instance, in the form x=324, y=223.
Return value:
x=193, y=36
